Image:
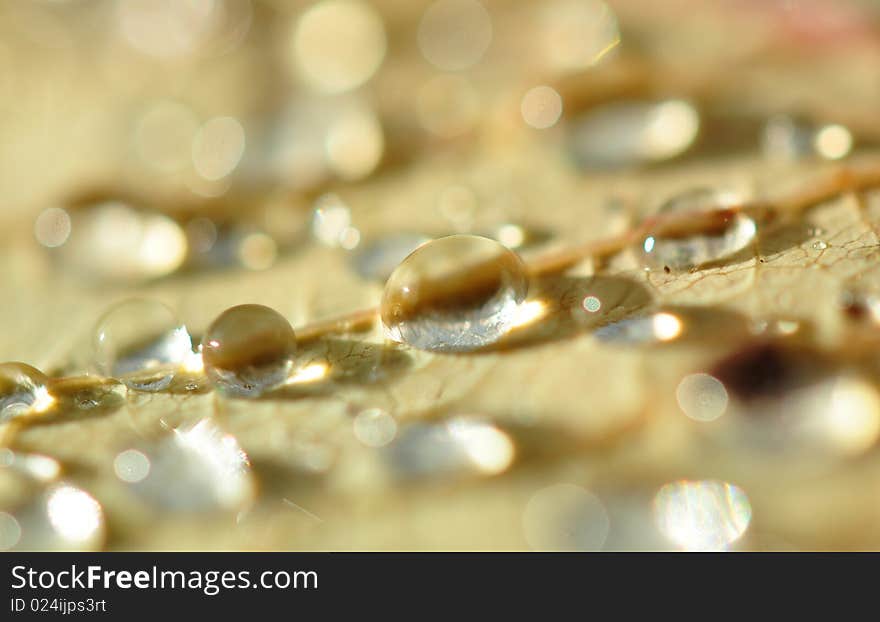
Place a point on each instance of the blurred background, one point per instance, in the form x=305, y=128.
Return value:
x=208, y=153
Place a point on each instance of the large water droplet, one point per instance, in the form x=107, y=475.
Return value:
x=22, y=390
x=456, y=293
x=248, y=350
x=716, y=231
x=142, y=343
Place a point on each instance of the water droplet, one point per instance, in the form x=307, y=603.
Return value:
x=248, y=350
x=60, y=518
x=456, y=447
x=456, y=293
x=819, y=245
x=22, y=390
x=194, y=469
x=653, y=328
x=632, y=133
x=131, y=465
x=35, y=466
x=110, y=239
x=142, y=343
x=702, y=516
x=701, y=397
x=377, y=259
x=716, y=231
x=374, y=427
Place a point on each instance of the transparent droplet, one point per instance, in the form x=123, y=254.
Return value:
x=820, y=245
x=35, y=466
x=374, y=427
x=60, y=518
x=248, y=350
x=702, y=516
x=653, y=328
x=142, y=343
x=200, y=468
x=22, y=390
x=377, y=259
x=630, y=134
x=456, y=447
x=701, y=397
x=456, y=293
x=110, y=239
x=716, y=231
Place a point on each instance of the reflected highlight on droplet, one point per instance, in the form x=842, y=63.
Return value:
x=23, y=391
x=702, y=515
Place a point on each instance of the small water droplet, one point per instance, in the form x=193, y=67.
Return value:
x=35, y=466
x=22, y=390
x=374, y=427
x=653, y=328
x=111, y=239
x=819, y=245
x=628, y=134
x=456, y=293
x=377, y=259
x=456, y=447
x=142, y=343
x=716, y=231
x=195, y=469
x=248, y=350
x=61, y=517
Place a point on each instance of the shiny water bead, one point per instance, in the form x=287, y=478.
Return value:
x=60, y=517
x=22, y=390
x=633, y=133
x=711, y=228
x=108, y=238
x=456, y=293
x=194, y=469
x=142, y=343
x=248, y=350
